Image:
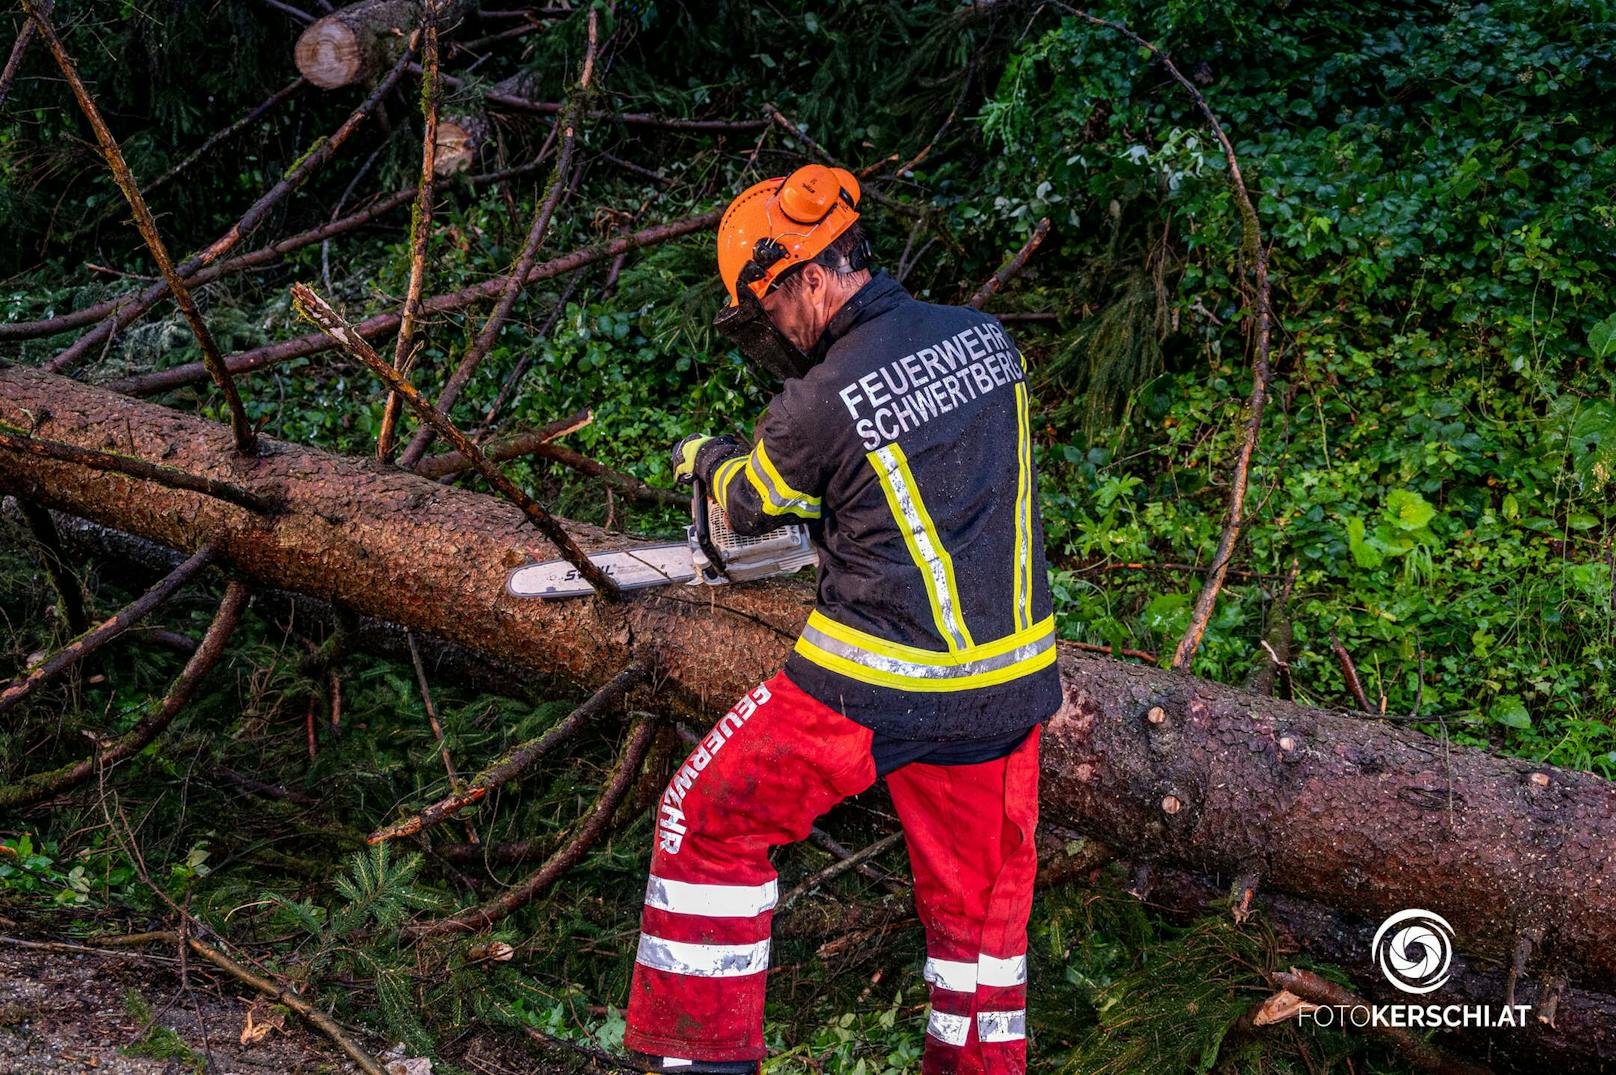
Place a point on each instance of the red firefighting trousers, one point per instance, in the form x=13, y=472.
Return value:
x=769, y=767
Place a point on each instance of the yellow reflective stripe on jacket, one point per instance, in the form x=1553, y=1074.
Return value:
x=1022, y=566
x=775, y=495
x=722, y=475
x=870, y=659
x=925, y=547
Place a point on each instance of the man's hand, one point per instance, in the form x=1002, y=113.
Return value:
x=684, y=456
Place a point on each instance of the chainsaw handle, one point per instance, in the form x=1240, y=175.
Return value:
x=704, y=533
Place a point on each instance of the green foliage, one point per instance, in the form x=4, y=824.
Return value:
x=360, y=936
x=158, y=1042
x=1436, y=455
x=879, y=1040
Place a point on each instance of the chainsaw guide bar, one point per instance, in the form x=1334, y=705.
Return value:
x=712, y=555
x=631, y=569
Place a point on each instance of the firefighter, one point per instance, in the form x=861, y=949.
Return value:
x=901, y=437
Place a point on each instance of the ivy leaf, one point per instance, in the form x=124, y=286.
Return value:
x=1602, y=337
x=1510, y=711
x=1408, y=510
x=1364, y=554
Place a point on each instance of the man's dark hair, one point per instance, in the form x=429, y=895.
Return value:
x=848, y=253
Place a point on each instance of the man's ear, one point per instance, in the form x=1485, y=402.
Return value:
x=815, y=279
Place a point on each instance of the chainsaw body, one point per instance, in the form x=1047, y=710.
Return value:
x=721, y=555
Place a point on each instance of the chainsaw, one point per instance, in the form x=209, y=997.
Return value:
x=711, y=555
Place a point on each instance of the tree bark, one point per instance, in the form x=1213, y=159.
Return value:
x=1582, y=1037
x=1353, y=813
x=352, y=43
x=463, y=136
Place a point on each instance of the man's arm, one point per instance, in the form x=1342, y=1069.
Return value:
x=781, y=481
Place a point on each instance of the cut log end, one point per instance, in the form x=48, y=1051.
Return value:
x=329, y=54
x=457, y=146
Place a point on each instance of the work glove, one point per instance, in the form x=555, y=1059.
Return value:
x=685, y=453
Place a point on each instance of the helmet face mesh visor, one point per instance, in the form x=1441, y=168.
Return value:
x=748, y=327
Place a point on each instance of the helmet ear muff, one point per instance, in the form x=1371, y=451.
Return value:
x=862, y=255
x=809, y=194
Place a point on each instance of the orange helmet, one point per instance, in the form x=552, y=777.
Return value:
x=780, y=223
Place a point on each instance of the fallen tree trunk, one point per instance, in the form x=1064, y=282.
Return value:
x=1349, y=812
x=354, y=43
x=1580, y=1036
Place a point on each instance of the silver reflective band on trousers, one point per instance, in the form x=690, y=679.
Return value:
x=959, y=976
x=949, y=1029
x=703, y=960
x=711, y=901
x=1001, y=1026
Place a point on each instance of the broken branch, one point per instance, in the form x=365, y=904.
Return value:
x=314, y=309
x=87, y=644
x=1349, y=671
x=294, y=176
x=264, y=255
x=62, y=578
x=315, y=342
x=420, y=222
x=588, y=833
x=1258, y=301
x=839, y=867
x=138, y=468
x=146, y=224
x=1012, y=266
x=326, y=1025
x=517, y=761
x=1422, y=1054
x=19, y=49
x=524, y=261
x=41, y=785
x=513, y=447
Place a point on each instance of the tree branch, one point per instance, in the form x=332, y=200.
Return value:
x=245, y=436
x=315, y=310
x=316, y=342
x=1255, y=256
x=633, y=119
x=93, y=640
x=517, y=761
x=290, y=181
x=513, y=447
x=588, y=833
x=168, y=477
x=41, y=785
x=839, y=867
x=1011, y=268
x=524, y=262
x=420, y=221
x=326, y=1025
x=66, y=583
x=19, y=49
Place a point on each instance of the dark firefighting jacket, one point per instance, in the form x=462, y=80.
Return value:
x=909, y=446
